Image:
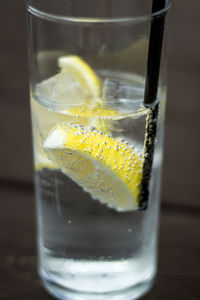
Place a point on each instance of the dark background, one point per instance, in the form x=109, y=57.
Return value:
x=179, y=247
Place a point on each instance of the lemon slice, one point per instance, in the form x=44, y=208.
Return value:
x=92, y=113
x=75, y=85
x=109, y=169
x=80, y=70
x=42, y=162
x=100, y=118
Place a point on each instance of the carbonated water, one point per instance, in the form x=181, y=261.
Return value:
x=89, y=249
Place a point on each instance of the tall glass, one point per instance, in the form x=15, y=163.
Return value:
x=97, y=228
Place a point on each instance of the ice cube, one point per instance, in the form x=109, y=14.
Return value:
x=121, y=95
x=61, y=92
x=110, y=90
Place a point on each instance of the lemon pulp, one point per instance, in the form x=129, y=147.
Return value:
x=80, y=70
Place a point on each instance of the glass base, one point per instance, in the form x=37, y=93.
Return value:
x=63, y=293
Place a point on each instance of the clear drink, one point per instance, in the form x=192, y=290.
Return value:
x=97, y=146
x=88, y=243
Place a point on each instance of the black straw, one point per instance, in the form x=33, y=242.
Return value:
x=154, y=56
x=150, y=96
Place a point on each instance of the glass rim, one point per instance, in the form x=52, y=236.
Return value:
x=83, y=20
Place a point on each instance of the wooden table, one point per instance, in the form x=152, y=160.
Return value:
x=179, y=259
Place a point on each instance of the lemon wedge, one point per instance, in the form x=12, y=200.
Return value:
x=75, y=85
x=98, y=111
x=79, y=69
x=42, y=162
x=99, y=118
x=106, y=167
